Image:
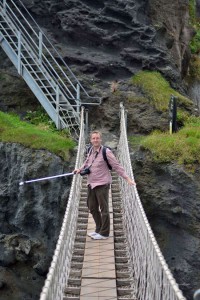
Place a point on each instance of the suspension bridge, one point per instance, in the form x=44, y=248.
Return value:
x=128, y=265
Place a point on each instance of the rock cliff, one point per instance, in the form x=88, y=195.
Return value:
x=31, y=217
x=171, y=198
x=114, y=40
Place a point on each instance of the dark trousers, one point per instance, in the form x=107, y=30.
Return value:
x=98, y=206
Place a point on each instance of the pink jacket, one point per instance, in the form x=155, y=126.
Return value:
x=99, y=171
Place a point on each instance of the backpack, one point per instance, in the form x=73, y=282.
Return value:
x=103, y=153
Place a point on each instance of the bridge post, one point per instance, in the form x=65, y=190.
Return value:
x=4, y=5
x=40, y=46
x=86, y=123
x=57, y=107
x=197, y=295
x=78, y=98
x=172, y=114
x=126, y=116
x=19, y=69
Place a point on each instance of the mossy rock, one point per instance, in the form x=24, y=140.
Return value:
x=158, y=90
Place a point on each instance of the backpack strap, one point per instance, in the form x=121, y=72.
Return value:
x=88, y=150
x=103, y=153
x=105, y=157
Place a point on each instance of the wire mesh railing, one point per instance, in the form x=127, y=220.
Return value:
x=154, y=280
x=60, y=266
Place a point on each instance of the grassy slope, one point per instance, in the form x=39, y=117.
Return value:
x=183, y=146
x=14, y=130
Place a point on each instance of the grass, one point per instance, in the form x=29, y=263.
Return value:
x=195, y=22
x=194, y=68
x=156, y=88
x=12, y=129
x=182, y=147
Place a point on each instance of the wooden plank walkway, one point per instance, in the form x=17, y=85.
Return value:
x=98, y=274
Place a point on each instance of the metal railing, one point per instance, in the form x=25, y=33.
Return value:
x=154, y=280
x=41, y=66
x=46, y=50
x=60, y=267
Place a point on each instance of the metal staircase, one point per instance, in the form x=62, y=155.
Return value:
x=56, y=87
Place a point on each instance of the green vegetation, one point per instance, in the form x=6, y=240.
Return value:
x=195, y=42
x=195, y=22
x=192, y=11
x=194, y=70
x=156, y=88
x=182, y=147
x=38, y=117
x=12, y=129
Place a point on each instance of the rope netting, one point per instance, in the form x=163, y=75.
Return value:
x=60, y=266
x=154, y=280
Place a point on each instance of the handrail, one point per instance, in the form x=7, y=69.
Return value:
x=154, y=280
x=58, y=274
x=61, y=94
x=34, y=47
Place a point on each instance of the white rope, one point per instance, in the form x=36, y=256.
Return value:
x=60, y=267
x=154, y=280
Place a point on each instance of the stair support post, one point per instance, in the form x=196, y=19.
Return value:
x=19, y=66
x=57, y=107
x=126, y=114
x=86, y=123
x=78, y=98
x=4, y=5
x=40, y=46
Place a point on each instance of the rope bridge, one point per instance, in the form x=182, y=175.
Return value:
x=152, y=277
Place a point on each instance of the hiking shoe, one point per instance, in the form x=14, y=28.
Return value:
x=99, y=237
x=91, y=234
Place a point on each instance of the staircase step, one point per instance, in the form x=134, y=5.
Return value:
x=73, y=289
x=50, y=94
x=125, y=291
x=81, y=232
x=76, y=265
x=35, y=71
x=5, y=28
x=71, y=297
x=75, y=272
x=74, y=281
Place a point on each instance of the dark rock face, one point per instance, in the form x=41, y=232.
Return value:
x=143, y=118
x=115, y=40
x=198, y=8
x=15, y=95
x=172, y=22
x=171, y=198
x=30, y=217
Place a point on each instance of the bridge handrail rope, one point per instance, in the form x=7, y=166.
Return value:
x=154, y=280
x=58, y=274
x=42, y=52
